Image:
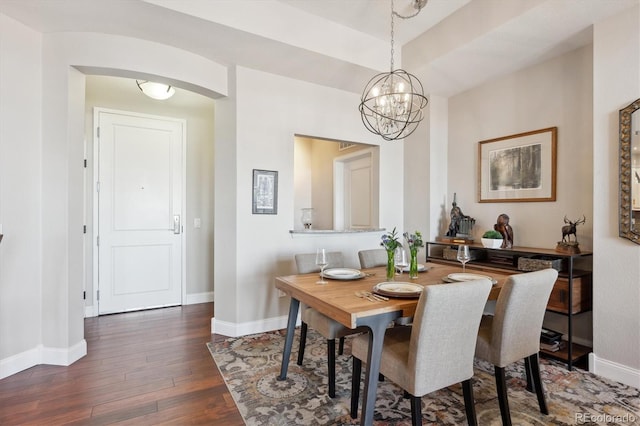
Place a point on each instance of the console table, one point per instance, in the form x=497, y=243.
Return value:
x=571, y=294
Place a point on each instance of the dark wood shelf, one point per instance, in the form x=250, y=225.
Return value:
x=578, y=352
x=518, y=250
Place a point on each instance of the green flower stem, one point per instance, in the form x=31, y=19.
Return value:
x=413, y=265
x=391, y=267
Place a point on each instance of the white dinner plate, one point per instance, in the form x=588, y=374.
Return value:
x=421, y=268
x=398, y=289
x=343, y=274
x=468, y=277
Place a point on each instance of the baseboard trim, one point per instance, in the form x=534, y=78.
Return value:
x=192, y=299
x=614, y=371
x=42, y=355
x=195, y=298
x=230, y=329
x=90, y=312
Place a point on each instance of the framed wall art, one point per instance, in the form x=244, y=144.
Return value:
x=265, y=192
x=518, y=168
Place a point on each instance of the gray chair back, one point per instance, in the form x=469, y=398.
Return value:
x=519, y=314
x=372, y=258
x=444, y=334
x=306, y=262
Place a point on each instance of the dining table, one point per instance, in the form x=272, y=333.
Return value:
x=343, y=300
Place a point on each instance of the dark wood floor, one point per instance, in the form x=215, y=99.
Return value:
x=142, y=368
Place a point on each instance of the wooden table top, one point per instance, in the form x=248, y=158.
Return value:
x=337, y=299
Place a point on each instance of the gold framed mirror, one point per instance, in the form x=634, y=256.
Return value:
x=629, y=208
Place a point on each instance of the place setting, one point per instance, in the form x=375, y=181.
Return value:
x=463, y=257
x=342, y=274
x=459, y=277
x=399, y=289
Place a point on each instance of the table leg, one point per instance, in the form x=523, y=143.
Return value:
x=288, y=341
x=378, y=325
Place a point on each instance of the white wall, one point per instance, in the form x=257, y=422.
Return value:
x=616, y=275
x=271, y=109
x=20, y=196
x=198, y=112
x=43, y=148
x=557, y=93
x=425, y=177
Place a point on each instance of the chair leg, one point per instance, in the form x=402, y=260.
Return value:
x=501, y=387
x=331, y=366
x=469, y=403
x=534, y=362
x=355, y=386
x=416, y=411
x=341, y=346
x=527, y=370
x=303, y=342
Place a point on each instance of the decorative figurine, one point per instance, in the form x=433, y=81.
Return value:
x=566, y=245
x=503, y=227
x=461, y=224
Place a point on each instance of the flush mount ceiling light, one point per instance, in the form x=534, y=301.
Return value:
x=392, y=102
x=155, y=90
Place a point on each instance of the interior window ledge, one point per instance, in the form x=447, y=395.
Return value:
x=296, y=232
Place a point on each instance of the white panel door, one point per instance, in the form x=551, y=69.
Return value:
x=358, y=193
x=139, y=212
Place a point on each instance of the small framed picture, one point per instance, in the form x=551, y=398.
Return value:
x=265, y=192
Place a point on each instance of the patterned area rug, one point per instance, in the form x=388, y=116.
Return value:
x=250, y=365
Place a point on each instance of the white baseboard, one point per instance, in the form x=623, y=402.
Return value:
x=195, y=298
x=230, y=329
x=192, y=299
x=90, y=312
x=614, y=371
x=42, y=355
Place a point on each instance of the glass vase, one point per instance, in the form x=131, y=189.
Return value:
x=413, y=264
x=391, y=267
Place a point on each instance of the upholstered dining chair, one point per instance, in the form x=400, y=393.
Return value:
x=328, y=328
x=513, y=332
x=436, y=352
x=372, y=258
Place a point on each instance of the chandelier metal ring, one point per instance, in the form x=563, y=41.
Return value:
x=392, y=103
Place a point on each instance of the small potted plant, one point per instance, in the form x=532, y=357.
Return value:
x=492, y=239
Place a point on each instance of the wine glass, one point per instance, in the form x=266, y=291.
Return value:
x=400, y=259
x=321, y=261
x=463, y=255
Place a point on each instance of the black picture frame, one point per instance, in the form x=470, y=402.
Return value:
x=265, y=192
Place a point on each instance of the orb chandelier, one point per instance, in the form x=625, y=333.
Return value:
x=392, y=102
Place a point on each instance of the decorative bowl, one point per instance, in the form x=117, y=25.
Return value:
x=491, y=243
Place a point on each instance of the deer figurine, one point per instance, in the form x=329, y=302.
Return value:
x=570, y=229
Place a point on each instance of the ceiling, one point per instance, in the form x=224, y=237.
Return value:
x=451, y=45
